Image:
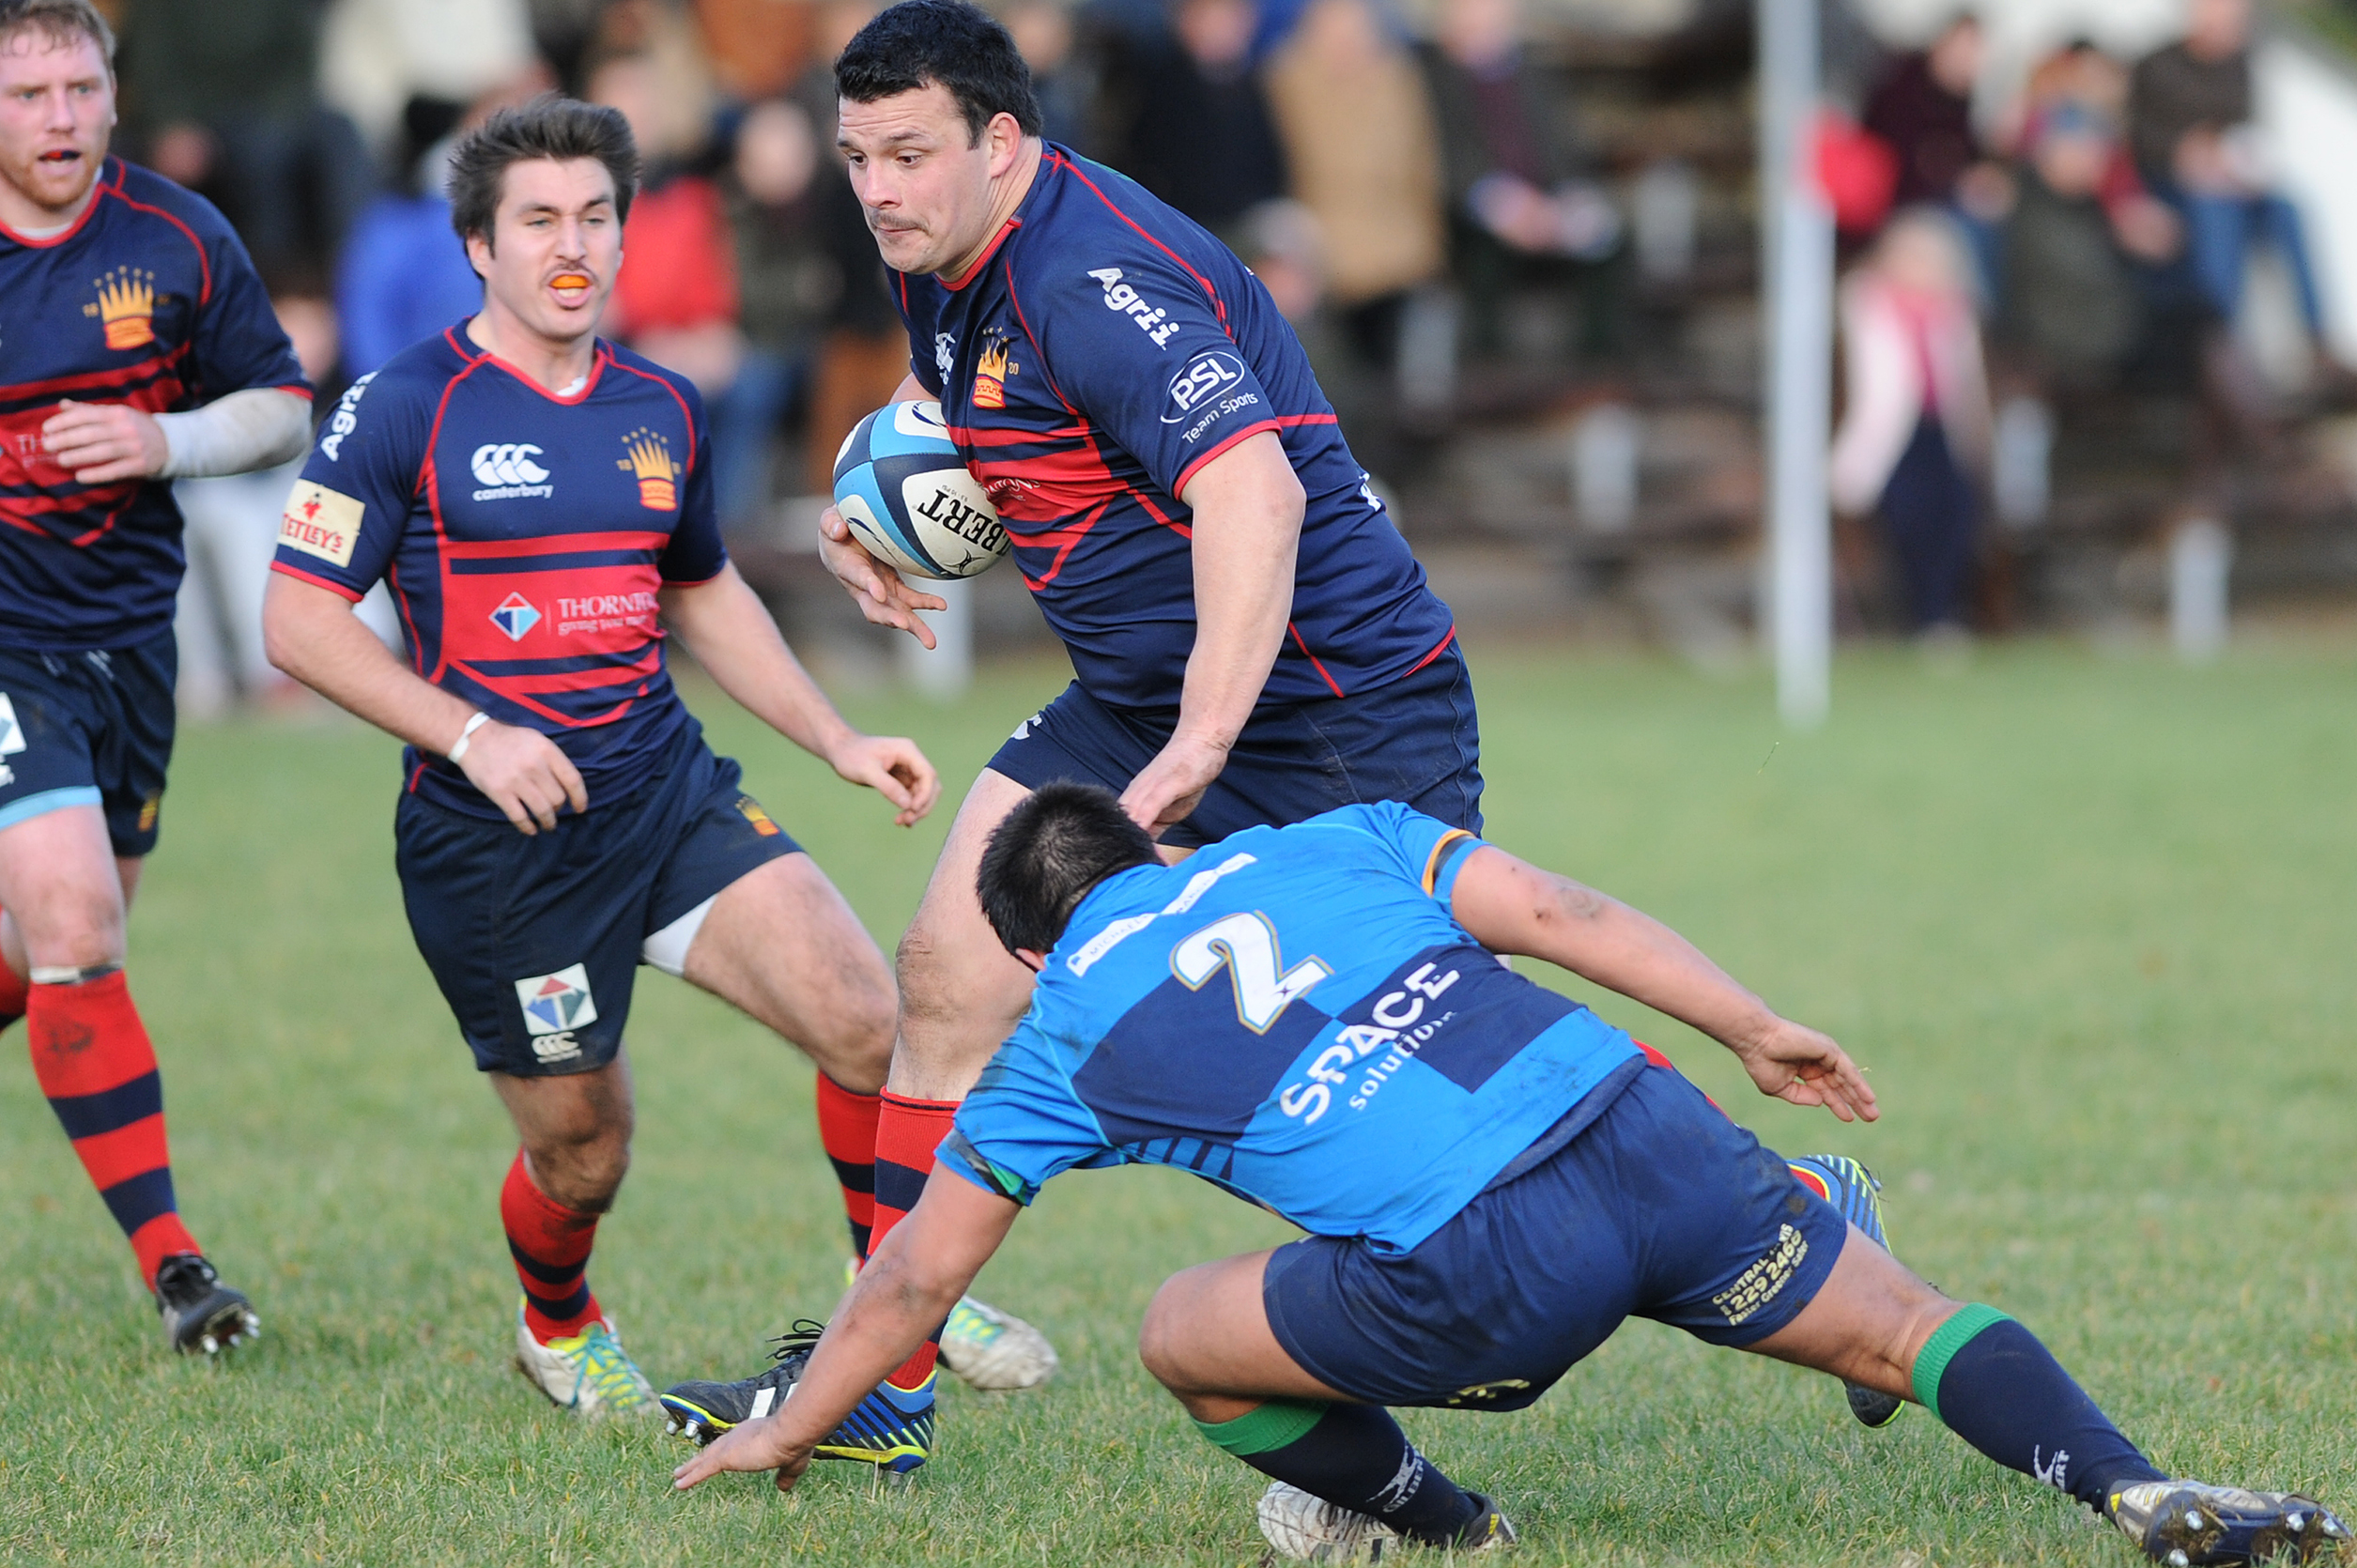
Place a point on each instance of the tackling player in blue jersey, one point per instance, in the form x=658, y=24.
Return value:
x=1492, y=1178
x=1251, y=638
x=140, y=349
x=540, y=504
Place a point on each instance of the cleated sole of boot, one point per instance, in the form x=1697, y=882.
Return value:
x=1872, y=1406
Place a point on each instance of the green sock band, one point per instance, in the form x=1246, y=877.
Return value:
x=1264, y=1427
x=1931, y=1361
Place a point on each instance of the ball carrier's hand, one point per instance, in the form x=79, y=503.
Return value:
x=520, y=771
x=103, y=443
x=879, y=591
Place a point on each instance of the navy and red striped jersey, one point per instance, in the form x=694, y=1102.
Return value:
x=524, y=536
x=149, y=298
x=1100, y=352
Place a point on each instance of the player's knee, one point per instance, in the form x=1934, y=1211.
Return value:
x=78, y=928
x=1161, y=1340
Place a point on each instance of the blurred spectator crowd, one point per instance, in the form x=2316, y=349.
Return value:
x=2095, y=239
x=1391, y=185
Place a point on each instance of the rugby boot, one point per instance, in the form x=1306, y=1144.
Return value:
x=2186, y=1524
x=891, y=1428
x=200, y=1315
x=1854, y=1193
x=1305, y=1527
x=589, y=1373
x=993, y=1350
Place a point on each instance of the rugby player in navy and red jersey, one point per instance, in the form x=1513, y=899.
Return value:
x=1251, y=641
x=140, y=349
x=540, y=504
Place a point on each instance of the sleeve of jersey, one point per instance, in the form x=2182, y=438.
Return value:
x=1136, y=342
x=695, y=553
x=344, y=516
x=238, y=343
x=1427, y=850
x=1022, y=1123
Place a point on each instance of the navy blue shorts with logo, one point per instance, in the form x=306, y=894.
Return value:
x=89, y=728
x=1416, y=741
x=1659, y=1207
x=536, y=939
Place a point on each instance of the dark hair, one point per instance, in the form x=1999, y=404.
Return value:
x=60, y=20
x=1042, y=859
x=553, y=127
x=962, y=46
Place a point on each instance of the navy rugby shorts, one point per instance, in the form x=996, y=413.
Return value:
x=1416, y=741
x=536, y=940
x=89, y=728
x=1659, y=1207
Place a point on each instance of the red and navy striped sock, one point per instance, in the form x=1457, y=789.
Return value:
x=907, y=1133
x=847, y=1128
x=92, y=1059
x=551, y=1245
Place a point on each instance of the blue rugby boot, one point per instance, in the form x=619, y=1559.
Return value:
x=891, y=1429
x=1857, y=1196
x=2188, y=1524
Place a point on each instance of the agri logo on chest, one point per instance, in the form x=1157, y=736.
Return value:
x=506, y=471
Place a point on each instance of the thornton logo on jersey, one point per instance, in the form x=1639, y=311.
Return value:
x=507, y=472
x=516, y=615
x=125, y=307
x=658, y=473
x=1130, y=302
x=991, y=371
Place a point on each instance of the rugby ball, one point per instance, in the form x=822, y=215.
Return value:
x=911, y=500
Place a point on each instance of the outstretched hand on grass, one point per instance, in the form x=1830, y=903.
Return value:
x=754, y=1445
x=1796, y=1064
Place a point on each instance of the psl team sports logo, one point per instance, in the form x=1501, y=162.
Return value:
x=650, y=460
x=125, y=307
x=555, y=1006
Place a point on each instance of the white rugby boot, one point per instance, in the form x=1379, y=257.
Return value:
x=992, y=1350
x=589, y=1373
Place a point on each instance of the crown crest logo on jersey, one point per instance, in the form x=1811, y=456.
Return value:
x=127, y=307
x=658, y=476
x=991, y=371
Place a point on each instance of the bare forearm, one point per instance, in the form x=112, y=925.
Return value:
x=887, y=1315
x=1247, y=532
x=725, y=626
x=1517, y=907
x=313, y=636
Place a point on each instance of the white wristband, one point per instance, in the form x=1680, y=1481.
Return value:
x=466, y=736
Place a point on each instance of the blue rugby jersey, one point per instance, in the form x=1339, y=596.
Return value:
x=1101, y=350
x=1294, y=1015
x=147, y=299
x=525, y=537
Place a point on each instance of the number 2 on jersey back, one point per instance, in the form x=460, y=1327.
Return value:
x=1246, y=946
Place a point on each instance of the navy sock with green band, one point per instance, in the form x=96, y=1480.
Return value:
x=1994, y=1386
x=1352, y=1454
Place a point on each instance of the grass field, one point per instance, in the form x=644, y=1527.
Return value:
x=2089, y=921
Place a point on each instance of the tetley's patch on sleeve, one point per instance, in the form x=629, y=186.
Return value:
x=321, y=522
